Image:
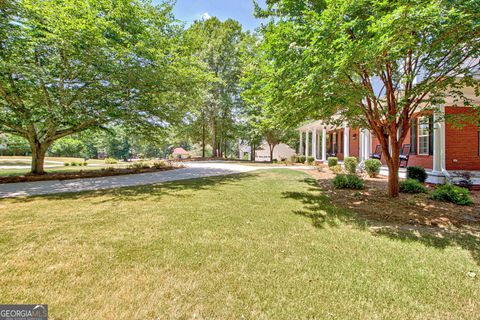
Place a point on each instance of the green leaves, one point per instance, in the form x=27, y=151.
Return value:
x=67, y=65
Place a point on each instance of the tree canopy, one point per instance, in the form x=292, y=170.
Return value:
x=66, y=66
x=374, y=62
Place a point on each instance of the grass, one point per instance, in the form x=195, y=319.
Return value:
x=25, y=161
x=266, y=245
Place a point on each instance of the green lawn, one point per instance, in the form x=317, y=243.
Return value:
x=266, y=245
x=25, y=161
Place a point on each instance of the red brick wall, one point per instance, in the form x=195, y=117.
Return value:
x=461, y=144
x=354, y=144
x=425, y=161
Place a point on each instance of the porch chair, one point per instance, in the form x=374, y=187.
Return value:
x=378, y=153
x=404, y=155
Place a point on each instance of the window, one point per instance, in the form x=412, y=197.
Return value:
x=423, y=136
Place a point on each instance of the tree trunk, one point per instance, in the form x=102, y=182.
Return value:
x=271, y=152
x=203, y=134
x=393, y=170
x=252, y=152
x=214, y=138
x=39, y=151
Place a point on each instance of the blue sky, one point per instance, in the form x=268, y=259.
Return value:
x=240, y=10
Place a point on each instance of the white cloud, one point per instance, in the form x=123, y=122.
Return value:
x=206, y=16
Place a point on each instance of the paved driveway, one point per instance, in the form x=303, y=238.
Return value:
x=192, y=171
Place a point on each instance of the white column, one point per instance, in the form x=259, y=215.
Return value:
x=346, y=141
x=361, y=149
x=307, y=142
x=442, y=135
x=314, y=143
x=324, y=144
x=438, y=144
x=367, y=143
x=300, y=149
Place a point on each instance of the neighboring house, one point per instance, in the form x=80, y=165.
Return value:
x=180, y=153
x=280, y=152
x=244, y=151
x=431, y=143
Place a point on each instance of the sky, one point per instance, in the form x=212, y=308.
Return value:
x=240, y=10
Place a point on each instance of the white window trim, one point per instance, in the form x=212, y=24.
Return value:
x=419, y=122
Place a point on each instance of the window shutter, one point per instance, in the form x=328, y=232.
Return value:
x=413, y=136
x=341, y=142
x=430, y=135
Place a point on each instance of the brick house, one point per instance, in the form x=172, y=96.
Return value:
x=432, y=142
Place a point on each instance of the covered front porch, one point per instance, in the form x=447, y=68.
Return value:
x=322, y=140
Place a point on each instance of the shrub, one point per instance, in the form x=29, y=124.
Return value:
x=139, y=165
x=372, y=166
x=294, y=158
x=332, y=161
x=412, y=186
x=351, y=164
x=417, y=173
x=111, y=161
x=454, y=194
x=336, y=169
x=310, y=160
x=84, y=163
x=74, y=164
x=348, y=181
x=302, y=159
x=159, y=164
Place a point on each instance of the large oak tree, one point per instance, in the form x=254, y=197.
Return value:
x=66, y=66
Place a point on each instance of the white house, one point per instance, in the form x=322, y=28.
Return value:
x=262, y=153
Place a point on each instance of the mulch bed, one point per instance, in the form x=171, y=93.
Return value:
x=373, y=205
x=82, y=174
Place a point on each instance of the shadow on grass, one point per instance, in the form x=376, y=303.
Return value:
x=144, y=192
x=318, y=207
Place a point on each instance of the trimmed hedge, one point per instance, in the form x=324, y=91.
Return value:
x=310, y=160
x=351, y=164
x=417, y=173
x=412, y=186
x=348, y=181
x=111, y=161
x=372, y=166
x=332, y=161
x=454, y=194
x=302, y=159
x=336, y=169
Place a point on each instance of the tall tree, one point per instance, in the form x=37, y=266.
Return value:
x=218, y=47
x=375, y=62
x=66, y=66
x=262, y=120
